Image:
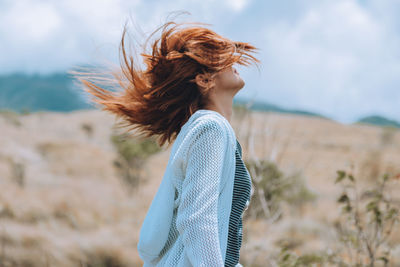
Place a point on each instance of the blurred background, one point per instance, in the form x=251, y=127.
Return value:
x=318, y=122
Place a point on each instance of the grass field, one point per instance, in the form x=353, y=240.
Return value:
x=65, y=199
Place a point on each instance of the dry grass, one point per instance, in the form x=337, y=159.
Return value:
x=62, y=202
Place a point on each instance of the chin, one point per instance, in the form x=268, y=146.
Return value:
x=241, y=84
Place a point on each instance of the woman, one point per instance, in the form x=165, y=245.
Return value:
x=185, y=95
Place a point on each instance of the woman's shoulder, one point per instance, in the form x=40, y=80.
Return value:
x=208, y=122
x=200, y=121
x=201, y=125
x=210, y=130
x=204, y=119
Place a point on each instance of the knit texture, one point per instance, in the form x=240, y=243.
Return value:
x=188, y=218
x=240, y=202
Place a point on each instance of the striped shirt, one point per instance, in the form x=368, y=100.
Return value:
x=240, y=202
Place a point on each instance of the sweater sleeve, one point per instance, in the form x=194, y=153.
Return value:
x=197, y=217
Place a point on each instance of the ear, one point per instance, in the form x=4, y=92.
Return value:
x=203, y=80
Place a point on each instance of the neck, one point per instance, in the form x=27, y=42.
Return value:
x=223, y=107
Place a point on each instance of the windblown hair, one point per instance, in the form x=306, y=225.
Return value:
x=161, y=98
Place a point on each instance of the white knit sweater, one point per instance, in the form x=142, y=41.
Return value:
x=188, y=219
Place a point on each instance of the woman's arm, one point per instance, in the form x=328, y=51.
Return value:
x=197, y=218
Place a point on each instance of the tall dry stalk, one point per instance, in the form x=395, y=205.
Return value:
x=270, y=186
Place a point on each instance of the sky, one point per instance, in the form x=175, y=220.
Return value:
x=338, y=58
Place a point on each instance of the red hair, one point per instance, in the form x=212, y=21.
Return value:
x=161, y=98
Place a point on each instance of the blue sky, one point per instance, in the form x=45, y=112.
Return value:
x=340, y=58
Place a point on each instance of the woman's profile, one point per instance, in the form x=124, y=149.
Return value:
x=185, y=97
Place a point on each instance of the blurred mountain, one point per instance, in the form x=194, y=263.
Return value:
x=55, y=92
x=262, y=106
x=379, y=120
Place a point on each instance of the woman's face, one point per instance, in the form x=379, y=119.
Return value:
x=229, y=79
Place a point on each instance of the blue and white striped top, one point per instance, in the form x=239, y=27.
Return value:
x=240, y=202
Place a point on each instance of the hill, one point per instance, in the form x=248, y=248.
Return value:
x=262, y=106
x=379, y=121
x=55, y=92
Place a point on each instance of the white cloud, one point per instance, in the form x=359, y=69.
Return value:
x=33, y=23
x=336, y=59
x=237, y=5
x=340, y=58
x=45, y=36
